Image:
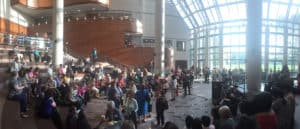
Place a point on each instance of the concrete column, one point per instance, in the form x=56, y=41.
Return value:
x=206, y=60
x=285, y=47
x=172, y=61
x=159, y=64
x=58, y=31
x=267, y=47
x=298, y=54
x=253, y=46
x=195, y=61
x=221, y=47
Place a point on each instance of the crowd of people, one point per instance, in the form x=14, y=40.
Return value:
x=230, y=76
x=132, y=93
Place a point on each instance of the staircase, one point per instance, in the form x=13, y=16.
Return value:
x=9, y=109
x=101, y=59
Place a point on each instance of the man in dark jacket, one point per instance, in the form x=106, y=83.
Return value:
x=186, y=84
x=161, y=106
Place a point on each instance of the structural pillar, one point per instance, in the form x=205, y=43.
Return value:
x=159, y=64
x=267, y=47
x=253, y=46
x=58, y=32
x=206, y=61
x=195, y=61
x=221, y=58
x=285, y=46
x=298, y=54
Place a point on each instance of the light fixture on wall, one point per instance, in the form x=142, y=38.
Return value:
x=46, y=22
x=69, y=19
x=85, y=18
x=39, y=24
x=77, y=18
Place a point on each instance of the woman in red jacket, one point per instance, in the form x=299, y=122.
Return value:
x=265, y=117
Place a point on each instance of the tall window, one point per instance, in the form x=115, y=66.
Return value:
x=221, y=32
x=180, y=46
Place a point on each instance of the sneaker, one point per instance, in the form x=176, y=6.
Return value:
x=24, y=116
x=28, y=109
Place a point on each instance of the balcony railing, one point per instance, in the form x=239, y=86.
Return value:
x=75, y=15
x=23, y=40
x=45, y=4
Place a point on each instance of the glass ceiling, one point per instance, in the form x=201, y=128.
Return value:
x=197, y=13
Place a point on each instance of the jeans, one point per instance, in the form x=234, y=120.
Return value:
x=160, y=117
x=56, y=119
x=133, y=117
x=22, y=98
x=187, y=88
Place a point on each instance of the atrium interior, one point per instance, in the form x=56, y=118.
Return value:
x=149, y=64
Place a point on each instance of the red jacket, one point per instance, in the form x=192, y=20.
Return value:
x=267, y=121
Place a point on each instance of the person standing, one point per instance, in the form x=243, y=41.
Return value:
x=206, y=73
x=186, y=84
x=94, y=54
x=173, y=87
x=298, y=82
x=28, y=52
x=142, y=95
x=191, y=78
x=161, y=106
x=131, y=108
x=15, y=66
x=282, y=109
x=36, y=54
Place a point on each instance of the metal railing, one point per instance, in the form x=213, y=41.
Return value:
x=23, y=40
x=92, y=15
